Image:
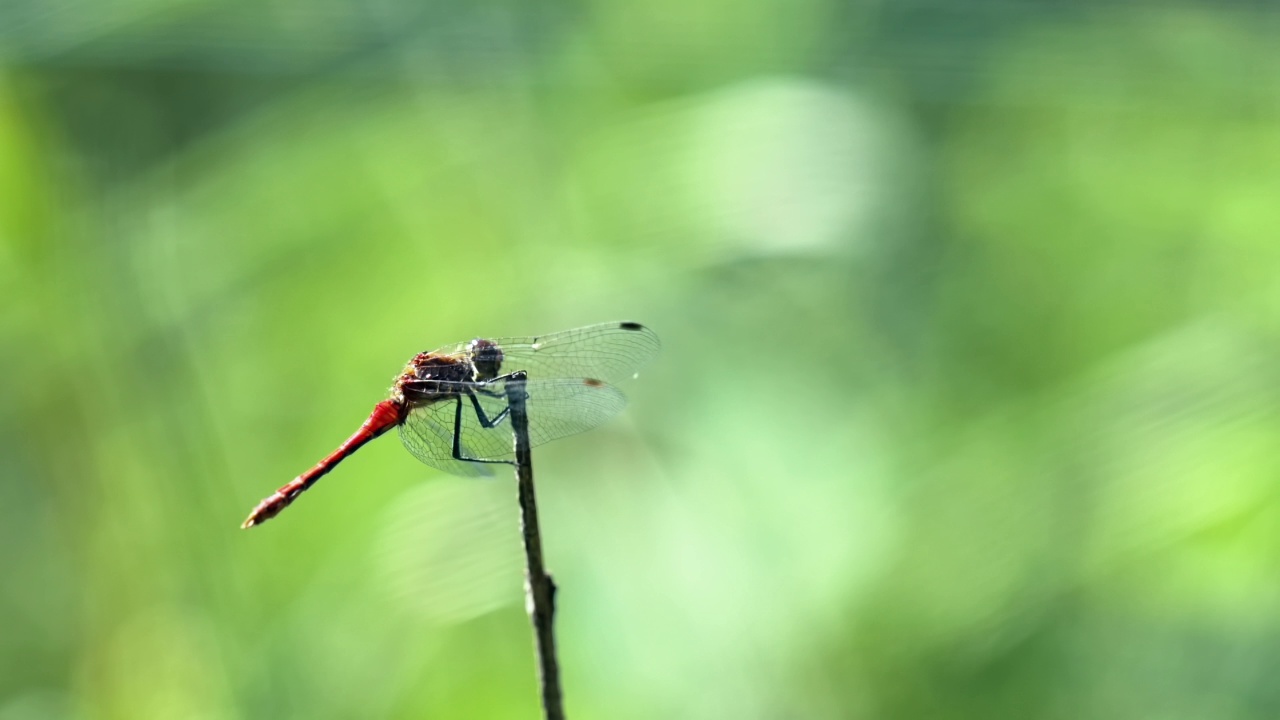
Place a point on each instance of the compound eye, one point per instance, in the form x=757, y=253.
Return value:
x=486, y=358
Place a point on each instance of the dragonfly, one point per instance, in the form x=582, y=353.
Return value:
x=450, y=403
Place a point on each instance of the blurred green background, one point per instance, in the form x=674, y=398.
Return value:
x=966, y=408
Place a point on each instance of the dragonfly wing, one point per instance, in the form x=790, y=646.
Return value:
x=609, y=351
x=556, y=408
x=428, y=435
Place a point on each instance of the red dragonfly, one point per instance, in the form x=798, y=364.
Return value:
x=450, y=404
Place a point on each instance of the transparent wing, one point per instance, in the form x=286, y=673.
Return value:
x=557, y=407
x=428, y=436
x=609, y=351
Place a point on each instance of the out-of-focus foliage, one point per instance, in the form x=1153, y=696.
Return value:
x=967, y=406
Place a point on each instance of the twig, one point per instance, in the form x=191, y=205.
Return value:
x=540, y=589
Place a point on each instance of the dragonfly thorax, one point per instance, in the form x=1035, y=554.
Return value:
x=430, y=377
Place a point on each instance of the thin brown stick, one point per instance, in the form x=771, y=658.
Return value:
x=540, y=589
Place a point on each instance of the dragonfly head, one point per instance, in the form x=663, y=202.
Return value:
x=486, y=359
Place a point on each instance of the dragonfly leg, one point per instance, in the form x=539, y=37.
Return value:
x=483, y=388
x=457, y=431
x=493, y=381
x=485, y=422
x=430, y=387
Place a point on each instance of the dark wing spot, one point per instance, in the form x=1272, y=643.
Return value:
x=592, y=382
x=631, y=326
